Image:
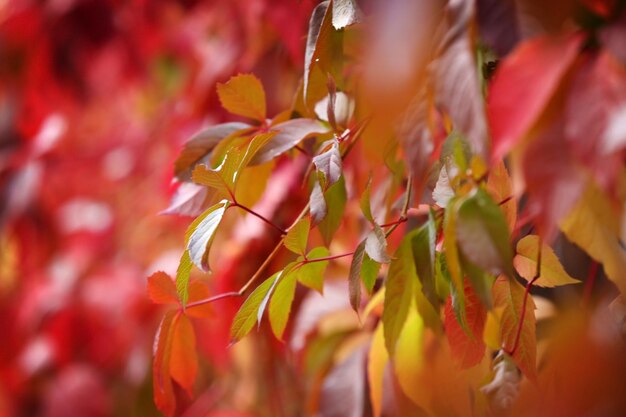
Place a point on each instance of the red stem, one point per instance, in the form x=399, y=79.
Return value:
x=399, y=221
x=214, y=298
x=327, y=258
x=259, y=216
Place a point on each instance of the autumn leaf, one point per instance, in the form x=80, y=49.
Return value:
x=467, y=345
x=182, y=277
x=376, y=245
x=500, y=186
x=509, y=295
x=184, y=360
x=247, y=315
x=311, y=274
x=161, y=289
x=408, y=358
x=365, y=203
x=377, y=360
x=328, y=163
x=297, y=236
x=163, y=389
x=552, y=272
x=201, y=232
x=512, y=107
x=335, y=199
x=593, y=225
x=243, y=94
x=280, y=303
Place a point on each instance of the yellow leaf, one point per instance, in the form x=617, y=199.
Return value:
x=376, y=362
x=243, y=94
x=408, y=356
x=297, y=236
x=500, y=187
x=552, y=273
x=491, y=332
x=594, y=225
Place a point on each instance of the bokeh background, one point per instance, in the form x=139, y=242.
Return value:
x=96, y=98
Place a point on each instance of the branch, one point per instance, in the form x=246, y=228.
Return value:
x=259, y=216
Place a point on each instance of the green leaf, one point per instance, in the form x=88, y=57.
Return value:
x=399, y=293
x=376, y=245
x=452, y=262
x=311, y=274
x=201, y=232
x=423, y=249
x=182, y=278
x=369, y=272
x=280, y=304
x=483, y=234
x=328, y=163
x=366, y=207
x=552, y=272
x=243, y=94
x=248, y=312
x=335, y=198
x=297, y=237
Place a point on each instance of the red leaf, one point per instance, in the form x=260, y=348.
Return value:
x=164, y=397
x=184, y=360
x=509, y=294
x=468, y=349
x=523, y=85
x=161, y=289
x=198, y=290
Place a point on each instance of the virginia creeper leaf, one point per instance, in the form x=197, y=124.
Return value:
x=399, y=293
x=201, y=232
x=467, y=346
x=198, y=291
x=182, y=277
x=328, y=164
x=483, y=235
x=364, y=202
x=512, y=107
x=408, y=358
x=376, y=245
x=164, y=397
x=354, y=277
x=423, y=249
x=287, y=135
x=184, y=359
x=594, y=226
x=377, y=360
x=298, y=236
x=248, y=312
x=335, y=198
x=311, y=274
x=201, y=144
x=552, y=272
x=161, y=289
x=280, y=303
x=243, y=94
x=509, y=294
x=500, y=187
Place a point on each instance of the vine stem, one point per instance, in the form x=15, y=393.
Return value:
x=518, y=334
x=259, y=216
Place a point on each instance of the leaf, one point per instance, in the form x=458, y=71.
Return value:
x=280, y=303
x=500, y=186
x=298, y=236
x=498, y=24
x=184, y=359
x=512, y=107
x=594, y=226
x=483, y=235
x=243, y=94
x=457, y=80
x=423, y=249
x=399, y=293
x=552, y=272
x=247, y=315
x=335, y=198
x=343, y=391
x=317, y=202
x=364, y=202
x=201, y=232
x=328, y=164
x=467, y=345
x=377, y=360
x=354, y=277
x=182, y=278
x=369, y=272
x=287, y=135
x=198, y=291
x=376, y=245
x=408, y=360
x=163, y=390
x=509, y=294
x=161, y=289
x=188, y=200
x=345, y=13
x=452, y=261
x=311, y=274
x=201, y=144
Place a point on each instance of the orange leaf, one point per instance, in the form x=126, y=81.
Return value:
x=183, y=360
x=198, y=290
x=243, y=94
x=468, y=349
x=509, y=295
x=164, y=397
x=161, y=289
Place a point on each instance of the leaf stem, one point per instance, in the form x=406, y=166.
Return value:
x=327, y=258
x=259, y=216
x=524, y=302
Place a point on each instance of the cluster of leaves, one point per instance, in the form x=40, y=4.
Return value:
x=478, y=171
